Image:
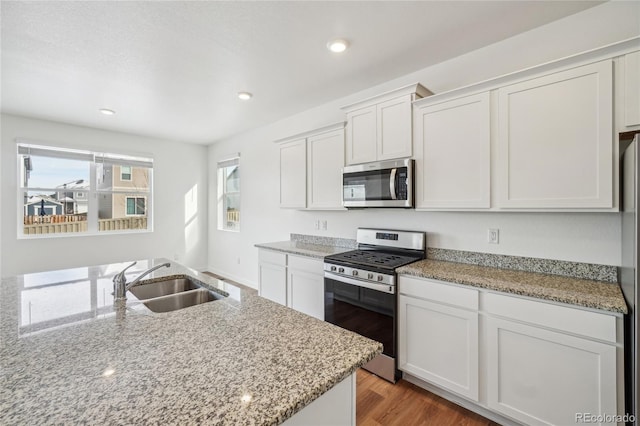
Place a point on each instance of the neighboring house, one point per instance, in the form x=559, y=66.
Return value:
x=73, y=196
x=33, y=206
x=122, y=178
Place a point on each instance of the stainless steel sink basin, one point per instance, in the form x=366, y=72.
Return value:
x=163, y=288
x=181, y=300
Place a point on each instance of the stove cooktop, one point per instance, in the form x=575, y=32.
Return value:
x=372, y=259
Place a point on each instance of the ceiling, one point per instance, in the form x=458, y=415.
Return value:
x=173, y=69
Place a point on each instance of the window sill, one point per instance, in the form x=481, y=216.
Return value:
x=83, y=234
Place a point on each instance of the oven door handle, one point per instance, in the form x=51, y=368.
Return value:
x=392, y=184
x=385, y=288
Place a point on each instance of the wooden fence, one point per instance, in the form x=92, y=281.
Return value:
x=57, y=226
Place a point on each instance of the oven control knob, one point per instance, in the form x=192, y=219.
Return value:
x=354, y=273
x=333, y=268
x=370, y=276
x=380, y=277
x=340, y=269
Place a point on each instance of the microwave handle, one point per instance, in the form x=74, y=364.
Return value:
x=392, y=184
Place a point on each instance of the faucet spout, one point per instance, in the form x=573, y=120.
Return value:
x=120, y=286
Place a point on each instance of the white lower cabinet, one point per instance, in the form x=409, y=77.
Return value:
x=543, y=377
x=540, y=363
x=272, y=276
x=439, y=343
x=293, y=281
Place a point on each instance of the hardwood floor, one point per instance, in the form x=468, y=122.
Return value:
x=379, y=402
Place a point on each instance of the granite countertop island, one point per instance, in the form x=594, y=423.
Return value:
x=68, y=356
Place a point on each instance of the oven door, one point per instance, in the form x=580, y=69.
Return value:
x=369, y=312
x=382, y=184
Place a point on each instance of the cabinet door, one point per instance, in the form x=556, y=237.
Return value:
x=394, y=128
x=325, y=161
x=541, y=377
x=439, y=344
x=361, y=135
x=293, y=173
x=555, y=140
x=632, y=89
x=306, y=293
x=273, y=282
x=452, y=148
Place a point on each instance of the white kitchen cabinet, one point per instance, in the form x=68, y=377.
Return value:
x=324, y=170
x=541, y=363
x=293, y=174
x=542, y=377
x=305, y=286
x=380, y=128
x=452, y=141
x=272, y=276
x=632, y=89
x=555, y=140
x=311, y=169
x=293, y=281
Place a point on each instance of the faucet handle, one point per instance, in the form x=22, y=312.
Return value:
x=120, y=275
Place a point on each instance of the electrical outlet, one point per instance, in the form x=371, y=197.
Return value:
x=324, y=225
x=493, y=236
x=238, y=261
x=317, y=224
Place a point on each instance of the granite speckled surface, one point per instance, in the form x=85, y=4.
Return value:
x=304, y=248
x=69, y=357
x=587, y=293
x=587, y=271
x=325, y=241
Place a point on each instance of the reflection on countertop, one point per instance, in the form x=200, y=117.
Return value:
x=68, y=356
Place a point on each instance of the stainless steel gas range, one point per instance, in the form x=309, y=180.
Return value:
x=360, y=289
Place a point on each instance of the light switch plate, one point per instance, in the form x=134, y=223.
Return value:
x=493, y=236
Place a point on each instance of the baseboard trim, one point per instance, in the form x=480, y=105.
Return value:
x=458, y=400
x=233, y=277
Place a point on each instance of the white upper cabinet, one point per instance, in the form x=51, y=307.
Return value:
x=311, y=169
x=632, y=89
x=555, y=140
x=293, y=174
x=361, y=135
x=452, y=141
x=325, y=160
x=380, y=128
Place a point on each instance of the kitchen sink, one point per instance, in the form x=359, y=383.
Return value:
x=163, y=288
x=173, y=294
x=181, y=300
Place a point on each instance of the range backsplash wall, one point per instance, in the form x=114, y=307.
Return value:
x=580, y=237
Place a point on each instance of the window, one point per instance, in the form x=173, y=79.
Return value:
x=125, y=173
x=73, y=192
x=229, y=194
x=136, y=206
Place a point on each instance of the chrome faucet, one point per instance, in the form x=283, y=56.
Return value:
x=120, y=286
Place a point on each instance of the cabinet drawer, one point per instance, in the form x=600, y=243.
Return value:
x=268, y=256
x=563, y=318
x=438, y=292
x=307, y=264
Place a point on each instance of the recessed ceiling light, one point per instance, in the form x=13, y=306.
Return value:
x=338, y=45
x=245, y=96
x=106, y=111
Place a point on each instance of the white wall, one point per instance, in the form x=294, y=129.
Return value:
x=582, y=237
x=179, y=227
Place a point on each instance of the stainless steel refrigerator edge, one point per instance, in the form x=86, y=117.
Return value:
x=629, y=269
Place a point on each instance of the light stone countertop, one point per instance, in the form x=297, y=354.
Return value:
x=581, y=292
x=67, y=356
x=317, y=251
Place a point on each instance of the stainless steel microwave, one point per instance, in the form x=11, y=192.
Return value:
x=378, y=184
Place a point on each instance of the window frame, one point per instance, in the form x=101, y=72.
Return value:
x=91, y=193
x=122, y=174
x=222, y=193
x=135, y=199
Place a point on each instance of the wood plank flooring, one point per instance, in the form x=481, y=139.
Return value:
x=380, y=403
